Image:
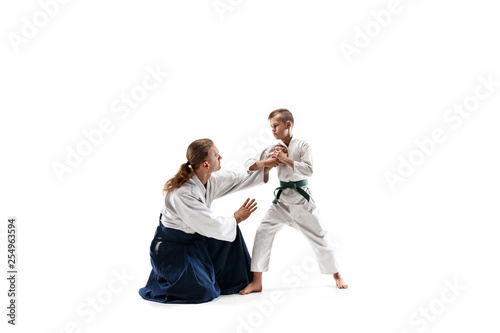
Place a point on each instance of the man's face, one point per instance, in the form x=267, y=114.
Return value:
x=213, y=159
x=279, y=128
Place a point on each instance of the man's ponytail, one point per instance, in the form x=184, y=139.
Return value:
x=196, y=154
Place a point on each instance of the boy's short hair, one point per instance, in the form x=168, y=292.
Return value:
x=283, y=114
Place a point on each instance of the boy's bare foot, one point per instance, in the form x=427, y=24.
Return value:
x=340, y=281
x=255, y=285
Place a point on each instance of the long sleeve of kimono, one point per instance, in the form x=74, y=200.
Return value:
x=200, y=218
x=304, y=167
x=230, y=181
x=261, y=156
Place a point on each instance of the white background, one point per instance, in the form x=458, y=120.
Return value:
x=396, y=248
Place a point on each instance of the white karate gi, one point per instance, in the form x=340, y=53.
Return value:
x=295, y=211
x=188, y=208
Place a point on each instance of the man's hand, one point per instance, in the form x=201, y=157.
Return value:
x=245, y=211
x=268, y=163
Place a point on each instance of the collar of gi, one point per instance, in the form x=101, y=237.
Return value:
x=198, y=183
x=284, y=144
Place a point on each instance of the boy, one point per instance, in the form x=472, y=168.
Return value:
x=293, y=205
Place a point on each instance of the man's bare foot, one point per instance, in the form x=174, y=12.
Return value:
x=340, y=281
x=253, y=287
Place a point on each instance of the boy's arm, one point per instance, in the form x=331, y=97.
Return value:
x=304, y=167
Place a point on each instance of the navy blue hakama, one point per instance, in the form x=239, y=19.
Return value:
x=191, y=268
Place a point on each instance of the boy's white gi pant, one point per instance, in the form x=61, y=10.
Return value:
x=295, y=211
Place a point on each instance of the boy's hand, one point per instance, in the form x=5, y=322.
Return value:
x=283, y=158
x=280, y=156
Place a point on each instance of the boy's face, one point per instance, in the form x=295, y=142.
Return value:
x=279, y=128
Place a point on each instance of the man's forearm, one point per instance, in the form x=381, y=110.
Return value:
x=256, y=165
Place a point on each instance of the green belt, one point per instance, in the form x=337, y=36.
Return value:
x=294, y=186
